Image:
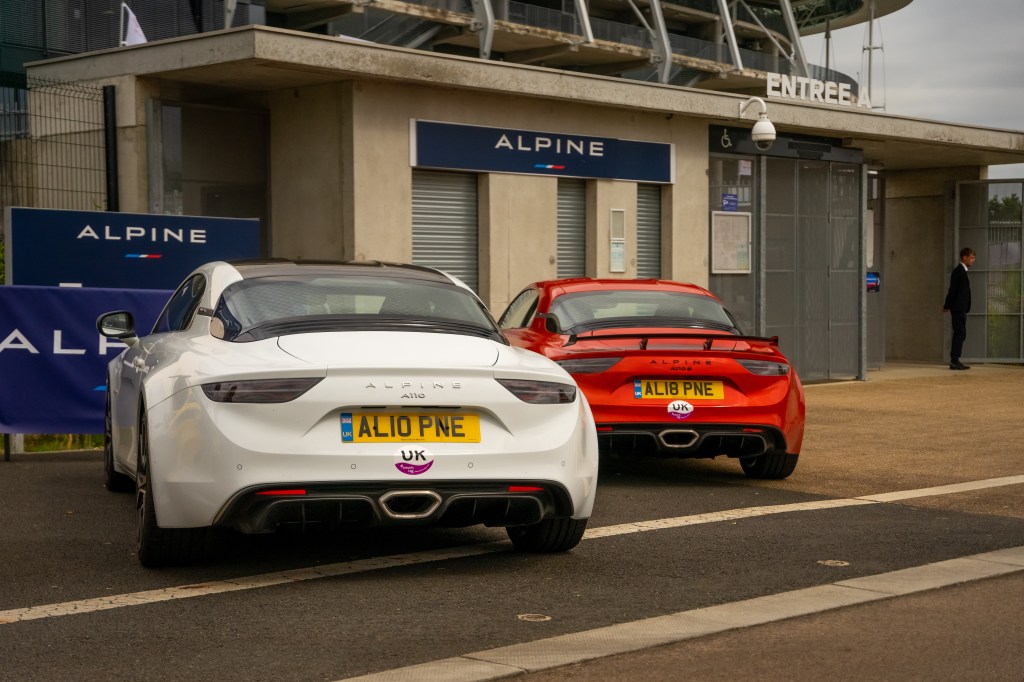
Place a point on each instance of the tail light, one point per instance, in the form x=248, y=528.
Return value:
x=259, y=390
x=587, y=365
x=765, y=368
x=540, y=392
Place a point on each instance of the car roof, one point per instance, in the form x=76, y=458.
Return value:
x=270, y=267
x=581, y=284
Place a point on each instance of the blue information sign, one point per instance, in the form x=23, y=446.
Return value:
x=47, y=247
x=730, y=202
x=505, y=150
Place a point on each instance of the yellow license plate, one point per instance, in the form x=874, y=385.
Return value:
x=409, y=427
x=688, y=389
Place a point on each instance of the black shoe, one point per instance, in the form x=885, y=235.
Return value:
x=958, y=365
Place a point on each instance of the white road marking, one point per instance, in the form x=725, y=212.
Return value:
x=377, y=563
x=578, y=647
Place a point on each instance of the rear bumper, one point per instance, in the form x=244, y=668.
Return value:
x=206, y=465
x=267, y=508
x=691, y=439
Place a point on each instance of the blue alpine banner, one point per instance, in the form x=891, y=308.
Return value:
x=53, y=360
x=51, y=247
x=506, y=150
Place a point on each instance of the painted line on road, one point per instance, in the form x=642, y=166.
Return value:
x=398, y=560
x=579, y=647
x=750, y=512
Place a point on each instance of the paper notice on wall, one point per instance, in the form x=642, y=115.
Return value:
x=730, y=242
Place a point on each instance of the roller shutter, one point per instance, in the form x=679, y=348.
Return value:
x=572, y=228
x=648, y=231
x=444, y=224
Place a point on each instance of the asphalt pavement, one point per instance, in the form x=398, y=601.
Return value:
x=971, y=631
x=913, y=476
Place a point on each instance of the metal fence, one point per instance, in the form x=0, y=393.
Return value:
x=52, y=145
x=990, y=219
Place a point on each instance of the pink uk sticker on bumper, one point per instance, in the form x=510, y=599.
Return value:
x=414, y=461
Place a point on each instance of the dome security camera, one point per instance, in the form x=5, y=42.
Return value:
x=763, y=133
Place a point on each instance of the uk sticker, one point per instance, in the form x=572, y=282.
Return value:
x=414, y=461
x=680, y=409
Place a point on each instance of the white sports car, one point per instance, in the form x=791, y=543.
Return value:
x=274, y=393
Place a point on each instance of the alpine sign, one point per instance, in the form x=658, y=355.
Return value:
x=69, y=267
x=47, y=247
x=53, y=360
x=505, y=150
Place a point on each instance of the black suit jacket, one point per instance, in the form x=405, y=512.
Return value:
x=958, y=298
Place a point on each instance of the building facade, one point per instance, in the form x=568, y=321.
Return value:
x=837, y=237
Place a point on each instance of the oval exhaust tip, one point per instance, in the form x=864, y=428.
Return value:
x=410, y=504
x=678, y=438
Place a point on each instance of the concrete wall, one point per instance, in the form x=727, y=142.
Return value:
x=307, y=171
x=918, y=259
x=513, y=251
x=341, y=181
x=603, y=197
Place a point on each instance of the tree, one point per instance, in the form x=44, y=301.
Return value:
x=1006, y=209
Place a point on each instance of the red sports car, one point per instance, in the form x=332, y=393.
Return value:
x=666, y=370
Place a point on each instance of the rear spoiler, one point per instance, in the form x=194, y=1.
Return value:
x=709, y=339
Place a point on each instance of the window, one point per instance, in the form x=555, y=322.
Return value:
x=346, y=303
x=179, y=311
x=520, y=311
x=574, y=309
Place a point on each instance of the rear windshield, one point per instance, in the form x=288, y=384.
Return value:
x=639, y=307
x=270, y=306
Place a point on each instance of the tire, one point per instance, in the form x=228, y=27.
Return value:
x=113, y=480
x=156, y=546
x=550, y=535
x=771, y=465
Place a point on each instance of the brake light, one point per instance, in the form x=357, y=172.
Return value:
x=540, y=392
x=259, y=390
x=587, y=365
x=765, y=368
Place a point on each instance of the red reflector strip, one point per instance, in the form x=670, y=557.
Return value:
x=753, y=430
x=278, y=493
x=525, y=489
x=605, y=428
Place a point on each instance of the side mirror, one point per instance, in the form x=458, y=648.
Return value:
x=116, y=325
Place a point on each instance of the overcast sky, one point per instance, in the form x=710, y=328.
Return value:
x=960, y=61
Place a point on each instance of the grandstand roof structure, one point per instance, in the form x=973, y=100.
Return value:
x=711, y=44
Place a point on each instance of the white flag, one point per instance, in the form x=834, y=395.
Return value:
x=133, y=35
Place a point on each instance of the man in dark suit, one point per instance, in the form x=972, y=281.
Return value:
x=958, y=304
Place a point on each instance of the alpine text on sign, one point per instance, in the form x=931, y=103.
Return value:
x=504, y=150
x=49, y=247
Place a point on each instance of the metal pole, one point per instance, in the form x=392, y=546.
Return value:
x=871, y=52
x=828, y=42
x=7, y=447
x=110, y=145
